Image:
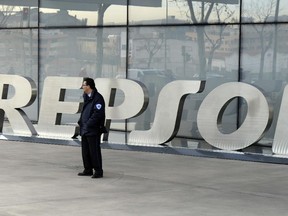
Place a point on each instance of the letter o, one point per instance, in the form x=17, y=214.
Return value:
x=253, y=127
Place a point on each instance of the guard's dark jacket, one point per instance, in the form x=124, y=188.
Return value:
x=92, y=116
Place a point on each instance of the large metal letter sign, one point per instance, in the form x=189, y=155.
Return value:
x=135, y=101
x=25, y=94
x=168, y=113
x=253, y=127
x=52, y=108
x=281, y=139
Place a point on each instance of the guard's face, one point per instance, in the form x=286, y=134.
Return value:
x=85, y=87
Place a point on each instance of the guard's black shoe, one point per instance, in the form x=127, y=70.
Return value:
x=86, y=173
x=97, y=175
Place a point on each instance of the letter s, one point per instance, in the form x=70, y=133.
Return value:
x=168, y=113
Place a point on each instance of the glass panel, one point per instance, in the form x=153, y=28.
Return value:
x=160, y=55
x=264, y=11
x=257, y=52
x=77, y=52
x=19, y=13
x=19, y=55
x=176, y=12
x=83, y=52
x=264, y=64
x=216, y=61
x=282, y=10
x=82, y=13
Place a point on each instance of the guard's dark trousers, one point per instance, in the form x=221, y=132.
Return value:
x=91, y=153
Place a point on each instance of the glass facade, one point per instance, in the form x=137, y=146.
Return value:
x=154, y=42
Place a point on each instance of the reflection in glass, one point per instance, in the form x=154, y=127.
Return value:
x=264, y=10
x=180, y=49
x=175, y=12
x=19, y=14
x=264, y=63
x=257, y=55
x=282, y=10
x=158, y=56
x=19, y=52
x=82, y=13
x=19, y=56
x=73, y=52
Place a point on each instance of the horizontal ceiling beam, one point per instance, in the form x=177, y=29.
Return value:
x=81, y=5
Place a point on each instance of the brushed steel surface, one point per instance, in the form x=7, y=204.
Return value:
x=212, y=108
x=49, y=123
x=280, y=142
x=25, y=92
x=135, y=97
x=168, y=113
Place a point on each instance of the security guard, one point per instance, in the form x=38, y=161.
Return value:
x=91, y=124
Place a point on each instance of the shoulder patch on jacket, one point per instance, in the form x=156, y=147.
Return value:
x=98, y=106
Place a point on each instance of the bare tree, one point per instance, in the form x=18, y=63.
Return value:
x=206, y=9
x=216, y=44
x=199, y=13
x=261, y=11
x=5, y=13
x=275, y=41
x=152, y=46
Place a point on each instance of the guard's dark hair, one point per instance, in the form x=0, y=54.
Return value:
x=90, y=82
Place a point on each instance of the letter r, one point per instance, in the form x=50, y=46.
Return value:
x=24, y=95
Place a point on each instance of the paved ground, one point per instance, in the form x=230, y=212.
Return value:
x=41, y=179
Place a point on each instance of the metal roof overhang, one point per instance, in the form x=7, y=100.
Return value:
x=81, y=5
x=220, y=1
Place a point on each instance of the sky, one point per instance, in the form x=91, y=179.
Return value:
x=117, y=13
